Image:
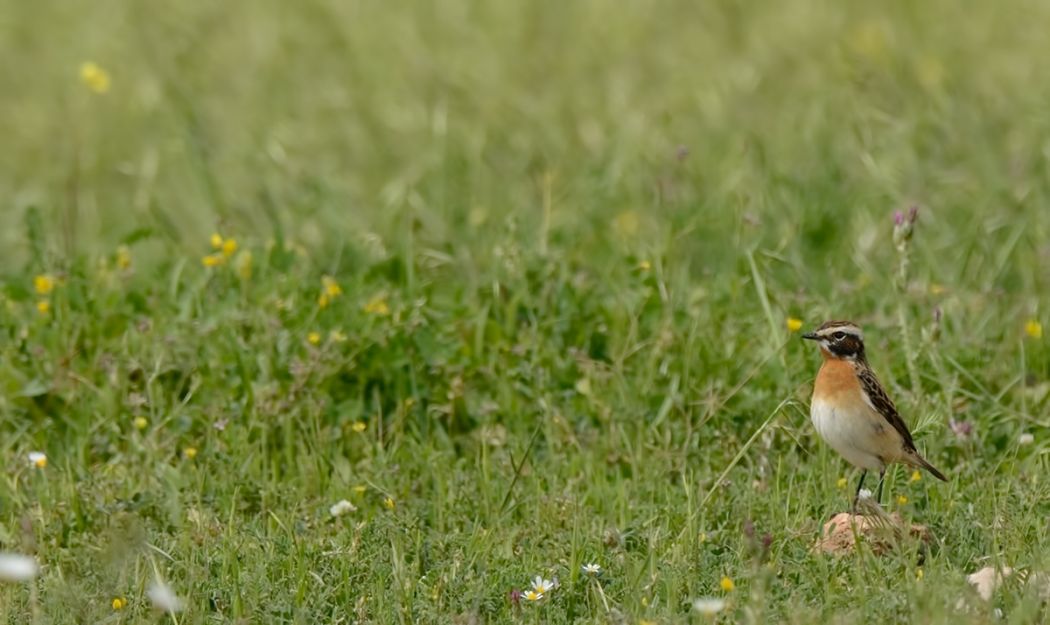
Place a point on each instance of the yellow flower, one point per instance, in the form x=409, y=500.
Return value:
x=793, y=324
x=388, y=503
x=119, y=603
x=377, y=306
x=189, y=453
x=645, y=265
x=313, y=338
x=916, y=476
x=359, y=490
x=919, y=575
x=336, y=336
x=841, y=483
x=330, y=287
x=703, y=537
x=358, y=426
x=216, y=241
x=243, y=265
x=44, y=283
x=726, y=584
x=140, y=423
x=1034, y=329
x=229, y=246
x=330, y=290
x=901, y=500
x=43, y=306
x=38, y=459
x=123, y=257
x=96, y=78
x=213, y=260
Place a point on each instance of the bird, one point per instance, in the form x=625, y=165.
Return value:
x=851, y=410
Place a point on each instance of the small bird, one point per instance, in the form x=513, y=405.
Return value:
x=851, y=410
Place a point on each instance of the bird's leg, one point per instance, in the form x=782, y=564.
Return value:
x=882, y=476
x=860, y=485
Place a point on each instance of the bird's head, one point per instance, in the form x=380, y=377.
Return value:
x=839, y=339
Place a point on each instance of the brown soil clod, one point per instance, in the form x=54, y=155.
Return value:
x=881, y=531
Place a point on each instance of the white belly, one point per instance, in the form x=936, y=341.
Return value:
x=846, y=434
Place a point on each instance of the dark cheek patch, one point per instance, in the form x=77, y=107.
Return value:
x=847, y=346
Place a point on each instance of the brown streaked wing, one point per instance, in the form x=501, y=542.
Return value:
x=883, y=404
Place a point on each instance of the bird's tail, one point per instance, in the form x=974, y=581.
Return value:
x=922, y=462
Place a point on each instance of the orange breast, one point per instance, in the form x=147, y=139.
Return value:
x=835, y=378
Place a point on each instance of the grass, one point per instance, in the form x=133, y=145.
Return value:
x=567, y=238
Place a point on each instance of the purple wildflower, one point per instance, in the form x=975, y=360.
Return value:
x=962, y=429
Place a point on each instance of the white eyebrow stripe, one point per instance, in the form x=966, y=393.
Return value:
x=851, y=330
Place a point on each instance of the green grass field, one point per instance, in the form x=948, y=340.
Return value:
x=564, y=242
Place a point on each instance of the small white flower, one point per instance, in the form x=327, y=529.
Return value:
x=542, y=586
x=532, y=595
x=163, y=597
x=864, y=494
x=15, y=567
x=1026, y=439
x=38, y=459
x=709, y=606
x=593, y=569
x=342, y=507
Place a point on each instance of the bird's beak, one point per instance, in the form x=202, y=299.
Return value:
x=810, y=336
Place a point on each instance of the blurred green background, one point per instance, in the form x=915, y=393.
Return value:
x=805, y=124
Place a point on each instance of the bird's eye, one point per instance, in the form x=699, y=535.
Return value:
x=839, y=336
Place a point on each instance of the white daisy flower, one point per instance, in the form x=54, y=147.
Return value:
x=864, y=494
x=15, y=567
x=593, y=569
x=542, y=586
x=1026, y=439
x=709, y=606
x=342, y=507
x=532, y=595
x=38, y=459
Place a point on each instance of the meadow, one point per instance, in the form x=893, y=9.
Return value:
x=372, y=312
